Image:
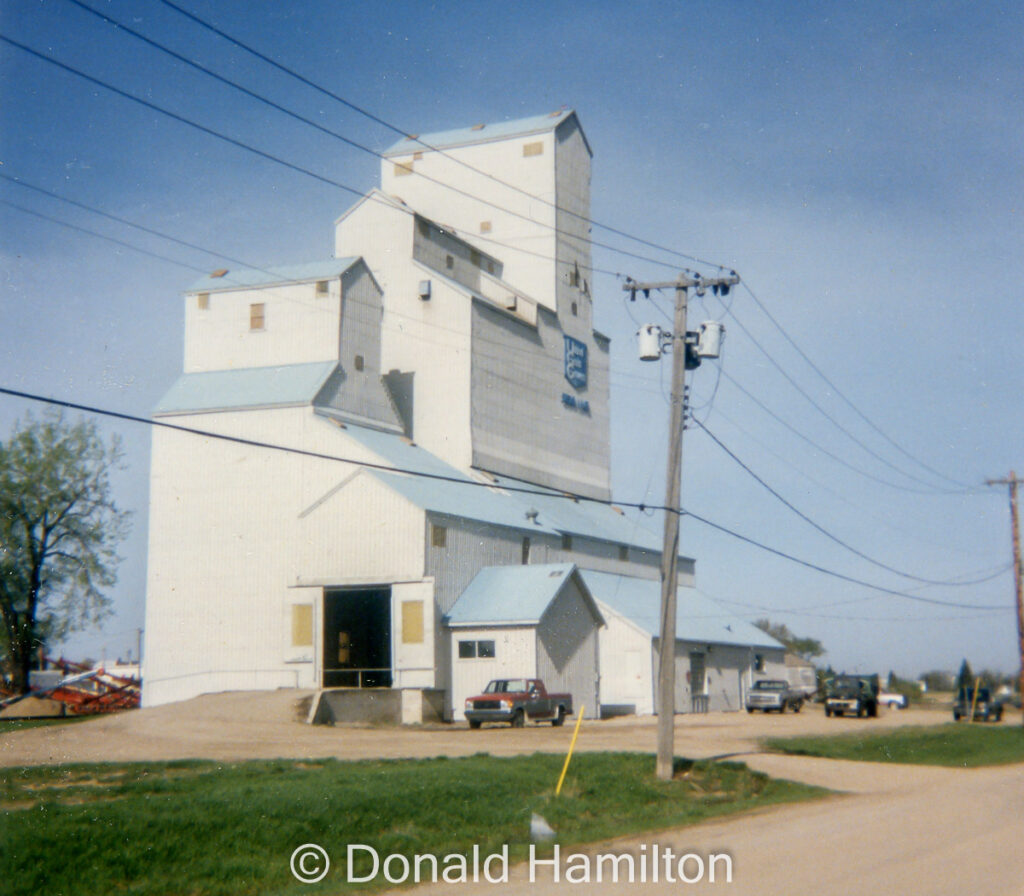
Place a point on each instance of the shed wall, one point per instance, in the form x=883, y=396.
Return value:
x=567, y=651
x=515, y=656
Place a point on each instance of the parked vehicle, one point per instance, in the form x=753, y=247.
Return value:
x=514, y=700
x=893, y=701
x=854, y=694
x=773, y=695
x=987, y=708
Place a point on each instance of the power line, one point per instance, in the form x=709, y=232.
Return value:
x=820, y=448
x=348, y=141
x=839, y=392
x=413, y=137
x=101, y=236
x=561, y=494
x=801, y=471
x=259, y=152
x=832, y=419
x=838, y=575
x=820, y=528
x=932, y=489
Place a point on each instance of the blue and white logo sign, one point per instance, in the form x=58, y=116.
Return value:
x=575, y=362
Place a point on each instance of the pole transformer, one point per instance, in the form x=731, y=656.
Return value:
x=679, y=341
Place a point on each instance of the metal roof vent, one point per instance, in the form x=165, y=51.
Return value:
x=532, y=515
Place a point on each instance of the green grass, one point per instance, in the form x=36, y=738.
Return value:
x=962, y=745
x=199, y=827
x=22, y=724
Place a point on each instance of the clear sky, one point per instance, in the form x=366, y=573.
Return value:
x=858, y=164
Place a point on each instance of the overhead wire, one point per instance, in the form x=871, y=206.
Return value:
x=818, y=527
x=357, y=145
x=220, y=136
x=840, y=393
x=347, y=140
x=261, y=153
x=559, y=494
x=353, y=191
x=416, y=138
x=771, y=360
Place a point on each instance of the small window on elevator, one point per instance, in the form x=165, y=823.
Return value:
x=257, y=316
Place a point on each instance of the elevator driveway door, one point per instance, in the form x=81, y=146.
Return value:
x=357, y=638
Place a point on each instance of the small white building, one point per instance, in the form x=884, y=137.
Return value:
x=717, y=656
x=354, y=440
x=527, y=622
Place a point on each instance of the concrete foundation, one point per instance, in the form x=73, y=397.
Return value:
x=377, y=706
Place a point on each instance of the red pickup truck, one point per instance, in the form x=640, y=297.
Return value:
x=514, y=700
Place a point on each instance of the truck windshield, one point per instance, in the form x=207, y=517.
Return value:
x=506, y=686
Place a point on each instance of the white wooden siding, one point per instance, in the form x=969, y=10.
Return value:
x=515, y=656
x=300, y=327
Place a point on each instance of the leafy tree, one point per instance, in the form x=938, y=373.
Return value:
x=808, y=648
x=59, y=531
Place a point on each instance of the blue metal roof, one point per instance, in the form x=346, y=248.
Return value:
x=480, y=133
x=698, y=618
x=512, y=595
x=213, y=390
x=496, y=504
x=242, y=278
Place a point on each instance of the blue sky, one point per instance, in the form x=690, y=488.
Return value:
x=858, y=165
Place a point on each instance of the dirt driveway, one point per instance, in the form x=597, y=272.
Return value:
x=267, y=725
x=895, y=829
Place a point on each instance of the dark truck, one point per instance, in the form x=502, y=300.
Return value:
x=855, y=694
x=983, y=708
x=514, y=700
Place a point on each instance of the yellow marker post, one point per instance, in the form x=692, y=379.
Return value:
x=974, y=698
x=568, y=756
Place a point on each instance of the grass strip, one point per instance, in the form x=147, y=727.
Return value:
x=7, y=725
x=200, y=827
x=964, y=745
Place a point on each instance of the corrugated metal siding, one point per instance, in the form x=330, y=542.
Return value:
x=725, y=668
x=520, y=426
x=567, y=650
x=572, y=196
x=468, y=549
x=351, y=390
x=596, y=555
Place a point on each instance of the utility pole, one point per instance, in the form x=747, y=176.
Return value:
x=1012, y=481
x=679, y=340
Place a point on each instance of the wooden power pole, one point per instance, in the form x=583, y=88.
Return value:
x=673, y=489
x=1012, y=481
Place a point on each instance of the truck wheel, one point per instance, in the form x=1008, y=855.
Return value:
x=519, y=719
x=559, y=719
x=750, y=709
x=828, y=713
x=474, y=723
